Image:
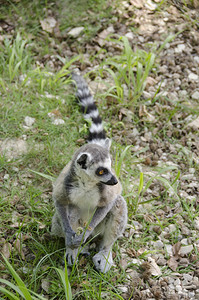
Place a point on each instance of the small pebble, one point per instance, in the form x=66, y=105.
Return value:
x=29, y=121
x=186, y=249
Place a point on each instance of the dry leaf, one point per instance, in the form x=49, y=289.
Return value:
x=144, y=113
x=131, y=252
x=56, y=112
x=137, y=3
x=123, y=263
x=196, y=3
x=18, y=224
x=172, y=263
x=194, y=124
x=48, y=24
x=154, y=269
x=6, y=251
x=176, y=249
x=150, y=5
x=150, y=81
x=75, y=32
x=103, y=35
x=41, y=225
x=141, y=251
x=18, y=247
x=147, y=29
x=45, y=284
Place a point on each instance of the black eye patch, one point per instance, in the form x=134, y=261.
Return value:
x=101, y=171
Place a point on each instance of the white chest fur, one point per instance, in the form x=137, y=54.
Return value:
x=85, y=196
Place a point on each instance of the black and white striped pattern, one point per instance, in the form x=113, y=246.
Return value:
x=96, y=132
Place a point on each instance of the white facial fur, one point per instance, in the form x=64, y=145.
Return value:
x=105, y=164
x=89, y=173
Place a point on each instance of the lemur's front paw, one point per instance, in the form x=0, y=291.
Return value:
x=71, y=256
x=77, y=240
x=103, y=261
x=69, y=239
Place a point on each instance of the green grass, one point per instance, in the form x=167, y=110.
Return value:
x=29, y=88
x=132, y=69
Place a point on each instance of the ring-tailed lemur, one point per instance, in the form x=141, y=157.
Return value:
x=87, y=194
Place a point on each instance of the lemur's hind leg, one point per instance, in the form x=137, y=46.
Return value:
x=111, y=229
x=71, y=254
x=56, y=228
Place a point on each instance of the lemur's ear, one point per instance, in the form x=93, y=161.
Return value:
x=82, y=160
x=108, y=143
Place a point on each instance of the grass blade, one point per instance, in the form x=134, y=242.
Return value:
x=9, y=294
x=118, y=163
x=141, y=183
x=37, y=296
x=51, y=178
x=65, y=282
x=168, y=185
x=12, y=286
x=18, y=280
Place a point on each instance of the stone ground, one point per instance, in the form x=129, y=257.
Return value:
x=176, y=78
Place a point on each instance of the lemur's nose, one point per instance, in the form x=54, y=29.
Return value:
x=112, y=181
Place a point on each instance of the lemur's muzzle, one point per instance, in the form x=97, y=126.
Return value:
x=111, y=181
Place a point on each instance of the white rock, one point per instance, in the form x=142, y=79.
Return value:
x=187, y=277
x=196, y=58
x=177, y=281
x=158, y=244
x=23, y=77
x=169, y=249
x=186, y=249
x=51, y=115
x=193, y=76
x=172, y=228
x=123, y=289
x=75, y=32
x=171, y=287
x=13, y=148
x=196, y=223
x=135, y=132
x=183, y=93
x=195, y=95
x=184, y=242
x=178, y=288
x=188, y=177
x=146, y=95
x=150, y=5
x=180, y=48
x=170, y=280
x=58, y=122
x=130, y=36
x=29, y=121
x=194, y=124
x=191, y=295
x=48, y=24
x=154, y=268
x=6, y=176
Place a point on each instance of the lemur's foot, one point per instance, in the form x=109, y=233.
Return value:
x=72, y=254
x=103, y=261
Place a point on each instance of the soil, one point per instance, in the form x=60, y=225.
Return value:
x=171, y=138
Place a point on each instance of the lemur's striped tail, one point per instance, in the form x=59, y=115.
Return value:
x=96, y=131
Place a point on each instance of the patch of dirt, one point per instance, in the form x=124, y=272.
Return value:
x=166, y=135
x=13, y=148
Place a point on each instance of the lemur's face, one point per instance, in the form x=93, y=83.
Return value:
x=99, y=172
x=104, y=174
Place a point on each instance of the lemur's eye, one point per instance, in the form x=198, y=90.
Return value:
x=101, y=171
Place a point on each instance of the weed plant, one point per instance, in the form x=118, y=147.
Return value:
x=130, y=68
x=26, y=206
